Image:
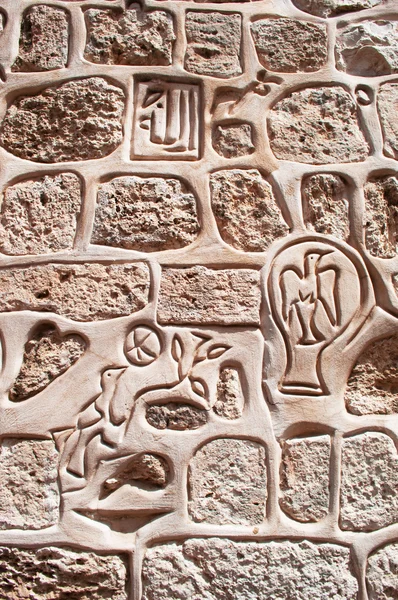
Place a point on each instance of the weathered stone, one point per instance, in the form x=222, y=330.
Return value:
x=233, y=140
x=230, y=400
x=43, y=44
x=215, y=568
x=368, y=48
x=381, y=203
x=330, y=8
x=289, y=45
x=150, y=214
x=382, y=573
x=369, y=482
x=199, y=295
x=77, y=120
x=46, y=573
x=387, y=104
x=372, y=387
x=40, y=216
x=305, y=478
x=84, y=292
x=47, y=355
x=29, y=497
x=213, y=44
x=176, y=416
x=317, y=126
x=148, y=470
x=130, y=37
x=247, y=215
x=325, y=205
x=228, y=483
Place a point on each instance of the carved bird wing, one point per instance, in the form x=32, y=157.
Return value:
x=326, y=293
x=290, y=284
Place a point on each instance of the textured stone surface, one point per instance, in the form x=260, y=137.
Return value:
x=230, y=400
x=247, y=215
x=317, y=126
x=199, y=295
x=330, y=8
x=213, y=44
x=228, y=483
x=217, y=568
x=325, y=205
x=47, y=355
x=372, y=387
x=290, y=46
x=83, y=292
x=382, y=573
x=233, y=140
x=146, y=470
x=387, y=104
x=43, y=44
x=176, y=416
x=131, y=37
x=369, y=482
x=381, y=217
x=145, y=214
x=29, y=496
x=46, y=573
x=76, y=120
x=305, y=478
x=368, y=48
x=40, y=216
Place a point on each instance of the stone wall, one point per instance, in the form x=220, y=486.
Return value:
x=198, y=296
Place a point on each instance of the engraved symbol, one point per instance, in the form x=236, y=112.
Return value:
x=166, y=121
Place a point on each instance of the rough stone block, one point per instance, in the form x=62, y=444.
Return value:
x=43, y=44
x=245, y=209
x=387, y=104
x=230, y=400
x=213, y=44
x=145, y=214
x=325, y=205
x=228, y=483
x=331, y=8
x=381, y=204
x=233, y=140
x=130, y=37
x=40, y=216
x=382, y=573
x=84, y=292
x=215, y=568
x=290, y=46
x=178, y=417
x=199, y=295
x=29, y=497
x=76, y=120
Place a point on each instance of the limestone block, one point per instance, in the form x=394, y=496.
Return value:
x=230, y=400
x=233, y=140
x=305, y=478
x=147, y=470
x=216, y=568
x=198, y=295
x=76, y=120
x=382, y=573
x=40, y=216
x=317, y=126
x=51, y=572
x=43, y=44
x=381, y=204
x=84, y=292
x=228, y=483
x=246, y=212
x=369, y=482
x=387, y=104
x=325, y=205
x=331, y=8
x=290, y=46
x=29, y=497
x=130, y=37
x=213, y=44
x=178, y=417
x=149, y=215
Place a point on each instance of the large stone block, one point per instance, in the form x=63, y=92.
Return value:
x=325, y=205
x=331, y=8
x=387, y=104
x=382, y=573
x=381, y=205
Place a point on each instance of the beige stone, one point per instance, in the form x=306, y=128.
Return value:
x=178, y=417
x=290, y=46
x=76, y=120
x=130, y=37
x=331, y=8
x=381, y=217
x=387, y=104
x=317, y=126
x=44, y=573
x=231, y=141
x=211, y=569
x=199, y=295
x=149, y=215
x=382, y=573
x=326, y=205
x=246, y=212
x=213, y=44
x=146, y=470
x=230, y=400
x=40, y=216
x=43, y=44
x=84, y=292
x=369, y=482
x=29, y=497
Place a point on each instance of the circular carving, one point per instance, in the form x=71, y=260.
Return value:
x=142, y=346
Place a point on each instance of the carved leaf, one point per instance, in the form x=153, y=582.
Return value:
x=216, y=351
x=153, y=97
x=198, y=388
x=176, y=348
